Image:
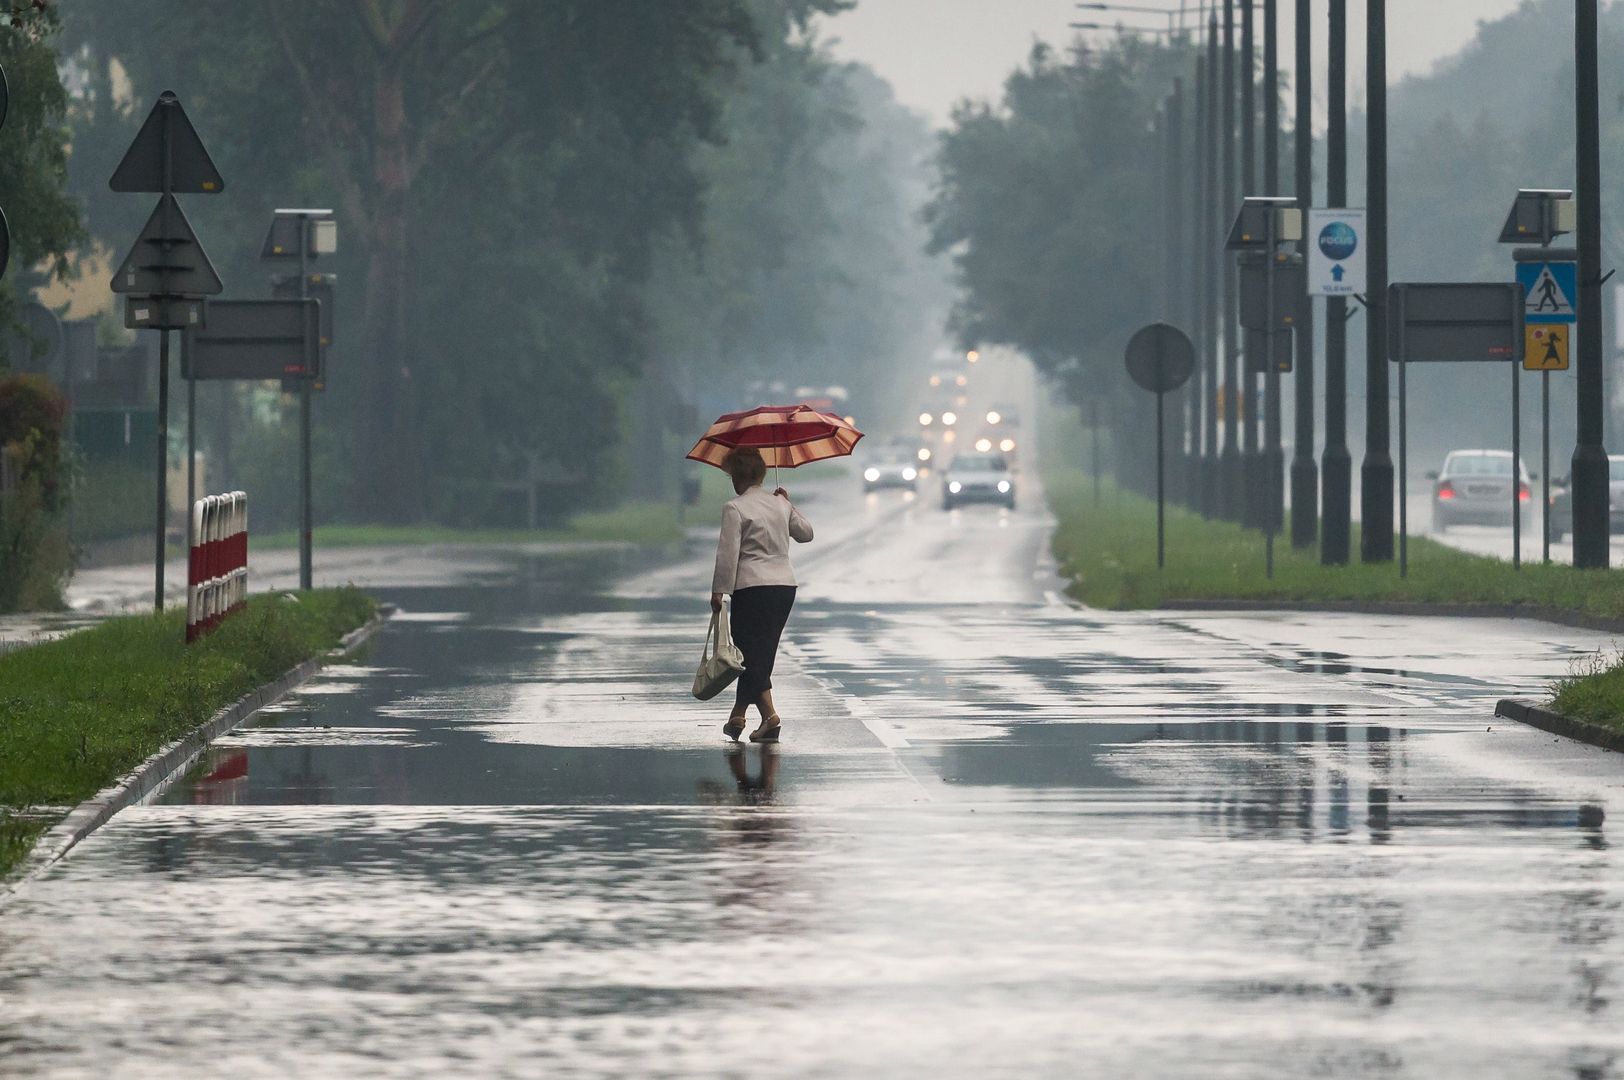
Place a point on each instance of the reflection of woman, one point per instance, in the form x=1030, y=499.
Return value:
x=752, y=563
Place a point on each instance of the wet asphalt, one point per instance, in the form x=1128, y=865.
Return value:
x=1004, y=836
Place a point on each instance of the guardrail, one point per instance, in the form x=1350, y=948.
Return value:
x=217, y=567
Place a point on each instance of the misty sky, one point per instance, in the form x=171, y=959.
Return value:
x=935, y=52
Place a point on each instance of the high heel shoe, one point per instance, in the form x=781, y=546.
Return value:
x=765, y=734
x=734, y=727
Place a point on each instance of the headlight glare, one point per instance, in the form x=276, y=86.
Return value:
x=955, y=487
x=871, y=475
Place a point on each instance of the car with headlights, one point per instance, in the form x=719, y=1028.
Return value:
x=898, y=470
x=1474, y=486
x=978, y=477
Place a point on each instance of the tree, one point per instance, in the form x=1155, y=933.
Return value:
x=557, y=135
x=44, y=221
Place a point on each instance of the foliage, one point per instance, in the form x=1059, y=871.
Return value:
x=1593, y=690
x=1043, y=203
x=34, y=554
x=44, y=221
x=501, y=171
x=82, y=710
x=31, y=416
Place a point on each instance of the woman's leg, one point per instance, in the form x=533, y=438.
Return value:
x=776, y=601
x=747, y=626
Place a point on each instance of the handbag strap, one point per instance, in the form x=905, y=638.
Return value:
x=711, y=635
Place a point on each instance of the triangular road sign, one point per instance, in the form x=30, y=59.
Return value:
x=1546, y=296
x=191, y=169
x=166, y=259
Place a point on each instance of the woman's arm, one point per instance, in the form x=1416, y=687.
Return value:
x=800, y=529
x=727, y=552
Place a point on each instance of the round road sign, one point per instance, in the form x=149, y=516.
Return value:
x=1160, y=357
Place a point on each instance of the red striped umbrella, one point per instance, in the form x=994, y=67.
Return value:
x=786, y=435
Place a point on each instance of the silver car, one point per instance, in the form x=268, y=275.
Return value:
x=978, y=478
x=1475, y=486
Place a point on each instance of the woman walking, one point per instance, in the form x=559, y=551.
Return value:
x=752, y=564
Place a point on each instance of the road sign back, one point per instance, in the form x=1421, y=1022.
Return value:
x=1160, y=357
x=166, y=259
x=1545, y=347
x=167, y=129
x=1549, y=290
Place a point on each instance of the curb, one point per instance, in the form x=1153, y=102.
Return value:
x=169, y=761
x=1399, y=607
x=1538, y=716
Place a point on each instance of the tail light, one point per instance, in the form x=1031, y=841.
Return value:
x=1523, y=494
x=1446, y=490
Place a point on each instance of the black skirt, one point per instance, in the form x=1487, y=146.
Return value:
x=759, y=615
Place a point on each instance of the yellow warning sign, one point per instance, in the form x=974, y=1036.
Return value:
x=1545, y=347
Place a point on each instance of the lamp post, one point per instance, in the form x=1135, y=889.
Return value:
x=1336, y=464
x=1207, y=250
x=1376, y=473
x=1590, y=482
x=1304, y=476
x=1231, y=479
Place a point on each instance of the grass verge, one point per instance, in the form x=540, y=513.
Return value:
x=1594, y=691
x=1110, y=556
x=82, y=710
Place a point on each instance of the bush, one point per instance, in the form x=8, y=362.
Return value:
x=35, y=557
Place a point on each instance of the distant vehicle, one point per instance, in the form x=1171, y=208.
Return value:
x=1560, y=507
x=1475, y=486
x=896, y=468
x=978, y=478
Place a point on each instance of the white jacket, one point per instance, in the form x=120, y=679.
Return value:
x=754, y=547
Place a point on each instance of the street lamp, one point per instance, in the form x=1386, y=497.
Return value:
x=1132, y=29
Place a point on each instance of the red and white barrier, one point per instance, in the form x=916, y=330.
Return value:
x=217, y=570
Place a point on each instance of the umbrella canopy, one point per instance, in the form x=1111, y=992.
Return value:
x=786, y=435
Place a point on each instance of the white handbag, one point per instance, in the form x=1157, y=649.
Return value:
x=721, y=661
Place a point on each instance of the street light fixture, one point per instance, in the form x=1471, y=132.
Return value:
x=1131, y=29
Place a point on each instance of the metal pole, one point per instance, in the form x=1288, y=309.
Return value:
x=163, y=379
x=1304, y=474
x=1403, y=466
x=1161, y=543
x=306, y=573
x=1201, y=389
x=1271, y=239
x=1251, y=465
x=191, y=461
x=1232, y=490
x=1336, y=465
x=163, y=469
x=1545, y=464
x=1273, y=488
x=1590, y=488
x=1209, y=252
x=1178, y=267
x=1376, y=474
x=1516, y=466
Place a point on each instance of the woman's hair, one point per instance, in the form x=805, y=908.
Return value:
x=744, y=465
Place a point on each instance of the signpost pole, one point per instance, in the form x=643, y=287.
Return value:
x=1545, y=464
x=191, y=458
x=1516, y=466
x=163, y=381
x=306, y=574
x=1403, y=467
x=1376, y=472
x=1161, y=544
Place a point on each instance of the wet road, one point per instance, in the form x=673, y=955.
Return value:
x=1003, y=837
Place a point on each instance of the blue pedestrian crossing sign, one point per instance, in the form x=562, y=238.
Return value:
x=1550, y=290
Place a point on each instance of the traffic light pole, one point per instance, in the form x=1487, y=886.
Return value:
x=1376, y=474
x=1336, y=464
x=1590, y=495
